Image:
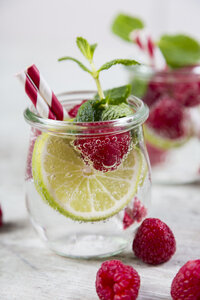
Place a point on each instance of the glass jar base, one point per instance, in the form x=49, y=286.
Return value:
x=88, y=246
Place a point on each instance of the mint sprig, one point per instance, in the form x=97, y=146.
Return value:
x=179, y=50
x=125, y=62
x=83, y=67
x=116, y=95
x=123, y=25
x=113, y=112
x=88, y=51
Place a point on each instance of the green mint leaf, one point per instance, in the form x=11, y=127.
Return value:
x=98, y=106
x=77, y=61
x=86, y=49
x=125, y=62
x=116, y=95
x=113, y=112
x=85, y=112
x=92, y=49
x=179, y=50
x=123, y=25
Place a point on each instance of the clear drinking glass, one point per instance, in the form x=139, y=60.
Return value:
x=172, y=131
x=87, y=184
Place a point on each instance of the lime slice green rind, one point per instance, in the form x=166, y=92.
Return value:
x=163, y=143
x=49, y=195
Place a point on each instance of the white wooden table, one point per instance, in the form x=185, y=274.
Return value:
x=29, y=271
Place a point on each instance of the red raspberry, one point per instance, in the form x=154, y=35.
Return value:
x=156, y=89
x=167, y=117
x=74, y=110
x=116, y=281
x=105, y=153
x=1, y=217
x=136, y=214
x=187, y=93
x=186, y=283
x=154, y=242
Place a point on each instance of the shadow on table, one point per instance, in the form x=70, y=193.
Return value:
x=13, y=226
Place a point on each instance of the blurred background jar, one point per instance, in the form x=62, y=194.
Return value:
x=172, y=130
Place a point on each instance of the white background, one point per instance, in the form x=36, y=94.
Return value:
x=41, y=31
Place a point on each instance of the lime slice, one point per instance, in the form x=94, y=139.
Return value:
x=163, y=143
x=78, y=191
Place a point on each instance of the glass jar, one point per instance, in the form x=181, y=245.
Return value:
x=87, y=184
x=172, y=131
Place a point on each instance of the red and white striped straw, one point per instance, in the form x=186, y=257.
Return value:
x=47, y=93
x=145, y=43
x=147, y=46
x=41, y=106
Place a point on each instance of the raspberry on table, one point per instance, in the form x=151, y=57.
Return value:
x=167, y=118
x=154, y=242
x=116, y=281
x=186, y=283
x=74, y=110
x=105, y=153
x=136, y=214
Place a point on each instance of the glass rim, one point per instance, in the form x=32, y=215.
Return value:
x=80, y=128
x=188, y=73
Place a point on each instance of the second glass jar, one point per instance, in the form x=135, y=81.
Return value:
x=172, y=130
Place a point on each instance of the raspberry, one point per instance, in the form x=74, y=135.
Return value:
x=154, y=242
x=186, y=283
x=166, y=117
x=116, y=281
x=1, y=217
x=105, y=153
x=134, y=215
x=74, y=110
x=155, y=90
x=187, y=93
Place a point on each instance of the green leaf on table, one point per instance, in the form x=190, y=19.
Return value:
x=76, y=61
x=125, y=62
x=86, y=49
x=179, y=50
x=86, y=112
x=123, y=25
x=116, y=95
x=113, y=112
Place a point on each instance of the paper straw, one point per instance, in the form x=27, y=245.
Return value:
x=47, y=93
x=41, y=106
x=145, y=43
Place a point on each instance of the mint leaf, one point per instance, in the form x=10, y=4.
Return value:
x=125, y=62
x=179, y=50
x=116, y=95
x=85, y=112
x=86, y=49
x=113, y=112
x=98, y=106
x=123, y=25
x=92, y=49
x=77, y=61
